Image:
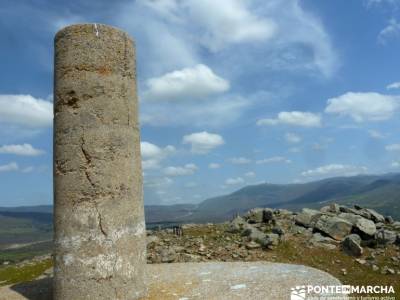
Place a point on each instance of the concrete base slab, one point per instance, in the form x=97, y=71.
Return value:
x=214, y=280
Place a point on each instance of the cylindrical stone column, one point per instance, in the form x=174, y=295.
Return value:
x=100, y=248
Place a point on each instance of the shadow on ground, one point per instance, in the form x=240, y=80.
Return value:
x=40, y=289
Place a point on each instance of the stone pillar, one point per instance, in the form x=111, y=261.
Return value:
x=100, y=248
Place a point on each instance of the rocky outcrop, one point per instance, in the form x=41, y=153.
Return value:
x=334, y=227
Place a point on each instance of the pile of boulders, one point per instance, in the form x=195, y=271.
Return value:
x=260, y=226
x=354, y=228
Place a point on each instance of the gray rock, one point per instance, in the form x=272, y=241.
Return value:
x=376, y=217
x=307, y=217
x=167, y=255
x=335, y=227
x=325, y=209
x=351, y=245
x=278, y=230
x=334, y=208
x=319, y=238
x=352, y=218
x=255, y=215
x=389, y=219
x=396, y=225
x=268, y=215
x=253, y=233
x=236, y=225
x=365, y=226
x=386, y=237
x=272, y=239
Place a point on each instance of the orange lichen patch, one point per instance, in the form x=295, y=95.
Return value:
x=104, y=71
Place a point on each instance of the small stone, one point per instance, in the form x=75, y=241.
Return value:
x=344, y=271
x=252, y=245
x=375, y=268
x=361, y=261
x=388, y=271
x=351, y=245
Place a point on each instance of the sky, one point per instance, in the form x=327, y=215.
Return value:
x=232, y=92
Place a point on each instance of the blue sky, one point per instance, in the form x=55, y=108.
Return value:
x=231, y=92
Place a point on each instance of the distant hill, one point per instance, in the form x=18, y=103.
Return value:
x=381, y=192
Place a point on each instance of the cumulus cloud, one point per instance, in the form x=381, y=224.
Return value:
x=334, y=170
x=234, y=181
x=23, y=150
x=229, y=22
x=293, y=118
x=152, y=155
x=203, y=142
x=25, y=110
x=393, y=85
x=187, y=84
x=240, y=160
x=292, y=138
x=188, y=169
x=12, y=166
x=274, y=159
x=395, y=164
x=214, y=166
x=393, y=147
x=392, y=30
x=364, y=106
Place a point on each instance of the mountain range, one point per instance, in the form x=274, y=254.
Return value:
x=380, y=192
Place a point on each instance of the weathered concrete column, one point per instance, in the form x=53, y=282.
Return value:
x=99, y=220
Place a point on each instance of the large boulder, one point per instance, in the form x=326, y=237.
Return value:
x=255, y=215
x=271, y=239
x=237, y=225
x=365, y=227
x=376, y=217
x=385, y=237
x=333, y=226
x=253, y=233
x=360, y=211
x=351, y=245
x=307, y=217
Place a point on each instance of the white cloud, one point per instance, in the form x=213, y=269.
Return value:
x=187, y=169
x=152, y=155
x=240, y=160
x=229, y=22
x=292, y=138
x=234, y=181
x=293, y=118
x=24, y=150
x=12, y=166
x=274, y=159
x=25, y=110
x=364, y=106
x=392, y=30
x=393, y=85
x=214, y=166
x=375, y=134
x=334, y=170
x=186, y=84
x=393, y=147
x=250, y=174
x=203, y=142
